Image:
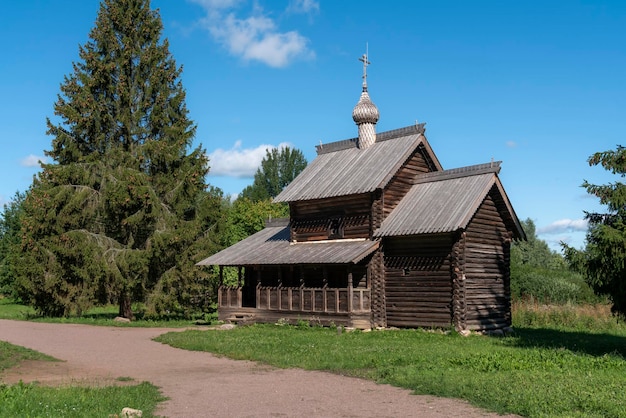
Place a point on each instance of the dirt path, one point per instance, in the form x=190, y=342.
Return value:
x=200, y=384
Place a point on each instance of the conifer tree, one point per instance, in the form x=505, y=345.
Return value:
x=10, y=229
x=603, y=261
x=123, y=211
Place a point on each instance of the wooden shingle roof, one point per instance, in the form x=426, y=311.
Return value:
x=444, y=201
x=342, y=169
x=271, y=246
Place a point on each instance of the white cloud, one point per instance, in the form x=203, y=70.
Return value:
x=511, y=144
x=217, y=4
x=563, y=225
x=238, y=162
x=255, y=37
x=33, y=160
x=303, y=6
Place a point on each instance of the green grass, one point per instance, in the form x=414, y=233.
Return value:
x=567, y=316
x=12, y=310
x=538, y=372
x=32, y=400
x=102, y=316
x=11, y=355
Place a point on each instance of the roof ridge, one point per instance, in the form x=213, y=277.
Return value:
x=336, y=146
x=453, y=173
x=415, y=129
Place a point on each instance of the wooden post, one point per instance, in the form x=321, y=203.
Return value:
x=239, y=276
x=279, y=295
x=301, y=271
x=350, y=291
x=325, y=280
x=258, y=287
x=219, y=289
x=290, y=291
x=361, y=308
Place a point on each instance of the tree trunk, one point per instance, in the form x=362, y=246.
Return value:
x=126, y=310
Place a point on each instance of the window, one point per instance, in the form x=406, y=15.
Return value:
x=335, y=228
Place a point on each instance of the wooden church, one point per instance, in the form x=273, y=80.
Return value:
x=379, y=235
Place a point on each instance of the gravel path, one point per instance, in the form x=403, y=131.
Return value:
x=201, y=384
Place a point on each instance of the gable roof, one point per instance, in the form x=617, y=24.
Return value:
x=272, y=246
x=444, y=201
x=342, y=169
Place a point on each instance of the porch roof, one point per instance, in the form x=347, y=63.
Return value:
x=271, y=246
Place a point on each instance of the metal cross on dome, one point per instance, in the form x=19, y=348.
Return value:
x=365, y=62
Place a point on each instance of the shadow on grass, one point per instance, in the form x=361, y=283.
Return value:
x=100, y=315
x=575, y=341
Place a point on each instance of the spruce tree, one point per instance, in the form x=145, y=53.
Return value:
x=10, y=230
x=123, y=211
x=603, y=260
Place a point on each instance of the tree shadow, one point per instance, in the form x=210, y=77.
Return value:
x=99, y=315
x=594, y=344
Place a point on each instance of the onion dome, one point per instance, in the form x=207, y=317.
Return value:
x=365, y=113
x=365, y=110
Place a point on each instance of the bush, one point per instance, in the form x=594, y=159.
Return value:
x=550, y=286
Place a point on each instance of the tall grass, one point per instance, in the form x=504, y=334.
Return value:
x=580, y=317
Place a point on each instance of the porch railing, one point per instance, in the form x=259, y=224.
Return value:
x=300, y=299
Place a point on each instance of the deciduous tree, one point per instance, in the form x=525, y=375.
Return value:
x=246, y=217
x=278, y=168
x=534, y=252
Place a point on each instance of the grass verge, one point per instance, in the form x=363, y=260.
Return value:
x=538, y=372
x=102, y=316
x=32, y=400
x=11, y=355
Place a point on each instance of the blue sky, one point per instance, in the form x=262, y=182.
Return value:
x=540, y=85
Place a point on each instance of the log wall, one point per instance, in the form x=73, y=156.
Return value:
x=487, y=269
x=418, y=285
x=311, y=219
x=459, y=301
x=379, y=305
x=402, y=181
